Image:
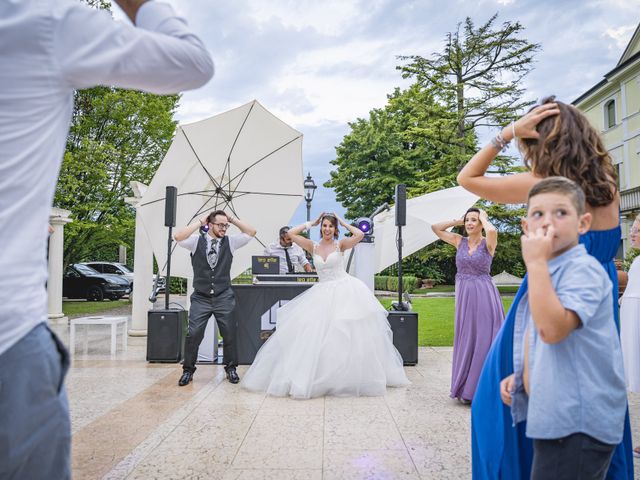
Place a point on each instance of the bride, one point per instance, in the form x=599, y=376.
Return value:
x=333, y=339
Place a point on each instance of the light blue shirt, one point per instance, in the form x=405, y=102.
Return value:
x=576, y=385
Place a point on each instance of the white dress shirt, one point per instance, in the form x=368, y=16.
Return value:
x=235, y=242
x=49, y=48
x=296, y=254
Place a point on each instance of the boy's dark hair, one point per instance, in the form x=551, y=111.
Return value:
x=563, y=186
x=212, y=216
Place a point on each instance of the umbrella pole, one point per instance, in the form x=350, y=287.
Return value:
x=167, y=287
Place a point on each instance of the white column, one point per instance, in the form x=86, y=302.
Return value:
x=57, y=219
x=142, y=268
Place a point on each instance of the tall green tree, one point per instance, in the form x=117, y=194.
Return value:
x=116, y=136
x=478, y=75
x=425, y=134
x=407, y=141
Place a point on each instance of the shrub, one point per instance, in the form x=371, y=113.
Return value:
x=383, y=282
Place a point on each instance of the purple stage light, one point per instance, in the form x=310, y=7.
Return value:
x=365, y=225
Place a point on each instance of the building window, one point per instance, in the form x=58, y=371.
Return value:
x=610, y=113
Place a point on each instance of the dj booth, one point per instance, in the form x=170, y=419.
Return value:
x=257, y=305
x=256, y=314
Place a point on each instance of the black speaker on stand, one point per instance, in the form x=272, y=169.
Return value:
x=404, y=323
x=166, y=328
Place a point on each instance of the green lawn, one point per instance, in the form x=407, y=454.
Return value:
x=81, y=308
x=451, y=288
x=435, y=319
x=435, y=315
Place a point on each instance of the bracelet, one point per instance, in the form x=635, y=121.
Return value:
x=308, y=225
x=513, y=130
x=499, y=142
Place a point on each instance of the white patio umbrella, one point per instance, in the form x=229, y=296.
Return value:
x=422, y=212
x=245, y=161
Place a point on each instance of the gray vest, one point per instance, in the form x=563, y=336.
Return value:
x=205, y=280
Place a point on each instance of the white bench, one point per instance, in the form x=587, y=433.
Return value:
x=100, y=320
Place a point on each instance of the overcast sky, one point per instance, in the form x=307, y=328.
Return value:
x=320, y=64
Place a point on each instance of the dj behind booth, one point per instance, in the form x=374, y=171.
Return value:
x=257, y=304
x=292, y=257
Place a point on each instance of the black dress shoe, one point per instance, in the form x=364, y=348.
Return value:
x=232, y=375
x=185, y=378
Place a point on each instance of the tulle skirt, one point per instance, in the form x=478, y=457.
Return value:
x=333, y=339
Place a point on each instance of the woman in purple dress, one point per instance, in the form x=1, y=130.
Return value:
x=479, y=311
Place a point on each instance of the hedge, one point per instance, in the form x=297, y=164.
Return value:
x=409, y=283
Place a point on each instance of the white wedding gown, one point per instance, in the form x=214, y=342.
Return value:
x=333, y=339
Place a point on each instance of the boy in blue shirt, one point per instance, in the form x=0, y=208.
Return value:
x=568, y=382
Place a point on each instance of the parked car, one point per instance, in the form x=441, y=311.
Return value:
x=116, y=268
x=82, y=281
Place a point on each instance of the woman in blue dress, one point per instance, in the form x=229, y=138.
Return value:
x=554, y=139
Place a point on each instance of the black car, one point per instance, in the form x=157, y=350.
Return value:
x=81, y=281
x=122, y=270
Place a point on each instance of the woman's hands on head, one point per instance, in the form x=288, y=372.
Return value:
x=525, y=126
x=341, y=220
x=318, y=220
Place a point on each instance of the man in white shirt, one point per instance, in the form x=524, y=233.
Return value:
x=290, y=254
x=211, y=256
x=50, y=48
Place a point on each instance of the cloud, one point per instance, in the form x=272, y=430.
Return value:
x=620, y=35
x=319, y=65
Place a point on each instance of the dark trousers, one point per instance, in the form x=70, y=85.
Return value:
x=202, y=307
x=35, y=431
x=578, y=456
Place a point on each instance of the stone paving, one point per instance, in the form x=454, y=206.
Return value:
x=131, y=420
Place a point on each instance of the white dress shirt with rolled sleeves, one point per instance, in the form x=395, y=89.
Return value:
x=296, y=254
x=49, y=48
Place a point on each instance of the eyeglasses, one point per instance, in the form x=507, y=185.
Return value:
x=221, y=226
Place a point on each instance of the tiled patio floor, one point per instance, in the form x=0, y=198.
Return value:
x=131, y=420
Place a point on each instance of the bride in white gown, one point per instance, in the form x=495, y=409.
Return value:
x=333, y=339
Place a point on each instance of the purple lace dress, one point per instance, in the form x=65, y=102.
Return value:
x=479, y=315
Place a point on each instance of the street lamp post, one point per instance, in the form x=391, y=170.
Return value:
x=309, y=190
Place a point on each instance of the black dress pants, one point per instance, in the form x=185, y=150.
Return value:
x=202, y=307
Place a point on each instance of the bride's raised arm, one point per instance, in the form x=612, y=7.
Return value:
x=304, y=242
x=349, y=242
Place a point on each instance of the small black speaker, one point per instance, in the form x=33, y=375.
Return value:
x=404, y=326
x=401, y=205
x=170, y=201
x=166, y=331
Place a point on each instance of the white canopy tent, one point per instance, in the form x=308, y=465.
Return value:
x=422, y=212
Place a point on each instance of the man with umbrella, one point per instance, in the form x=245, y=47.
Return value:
x=211, y=256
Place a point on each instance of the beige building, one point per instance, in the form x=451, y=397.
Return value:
x=613, y=106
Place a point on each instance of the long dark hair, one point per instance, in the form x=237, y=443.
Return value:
x=570, y=147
